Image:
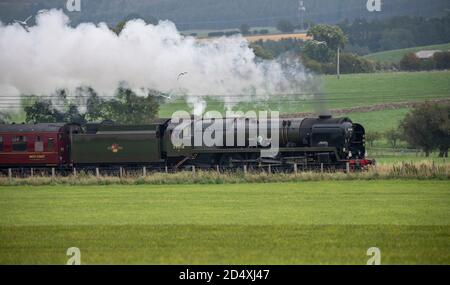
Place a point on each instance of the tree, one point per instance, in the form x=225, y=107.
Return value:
x=442, y=60
x=351, y=63
x=393, y=136
x=333, y=36
x=260, y=52
x=126, y=108
x=42, y=111
x=245, y=29
x=129, y=108
x=371, y=137
x=410, y=62
x=4, y=118
x=285, y=26
x=428, y=127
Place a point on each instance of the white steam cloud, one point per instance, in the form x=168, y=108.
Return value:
x=53, y=55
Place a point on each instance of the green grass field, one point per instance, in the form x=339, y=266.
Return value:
x=287, y=223
x=350, y=91
x=394, y=56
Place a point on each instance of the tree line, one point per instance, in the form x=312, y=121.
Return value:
x=125, y=107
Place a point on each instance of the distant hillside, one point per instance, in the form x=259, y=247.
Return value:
x=394, y=56
x=221, y=14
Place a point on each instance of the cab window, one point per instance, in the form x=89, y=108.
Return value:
x=19, y=143
x=1, y=143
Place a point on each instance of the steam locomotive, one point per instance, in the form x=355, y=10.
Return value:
x=325, y=141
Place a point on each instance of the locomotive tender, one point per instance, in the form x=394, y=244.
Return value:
x=325, y=141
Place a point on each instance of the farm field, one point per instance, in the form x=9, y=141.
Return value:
x=285, y=223
x=394, y=56
x=350, y=91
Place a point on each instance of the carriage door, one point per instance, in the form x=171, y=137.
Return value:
x=38, y=144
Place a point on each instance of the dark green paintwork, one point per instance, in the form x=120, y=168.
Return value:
x=132, y=147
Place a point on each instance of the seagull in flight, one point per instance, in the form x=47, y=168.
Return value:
x=24, y=23
x=181, y=74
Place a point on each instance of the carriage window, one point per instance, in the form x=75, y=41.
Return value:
x=1, y=143
x=51, y=144
x=38, y=144
x=19, y=143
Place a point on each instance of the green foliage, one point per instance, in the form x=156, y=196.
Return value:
x=372, y=136
x=319, y=52
x=125, y=108
x=261, y=52
x=428, y=128
x=396, y=32
x=129, y=108
x=333, y=36
x=351, y=63
x=410, y=62
x=442, y=60
x=285, y=26
x=4, y=118
x=393, y=136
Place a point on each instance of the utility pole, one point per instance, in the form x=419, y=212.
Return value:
x=301, y=11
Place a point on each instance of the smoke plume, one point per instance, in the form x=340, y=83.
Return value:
x=52, y=55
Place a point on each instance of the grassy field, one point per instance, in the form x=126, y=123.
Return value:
x=287, y=223
x=350, y=91
x=394, y=56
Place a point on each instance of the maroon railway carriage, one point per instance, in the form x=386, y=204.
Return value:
x=34, y=145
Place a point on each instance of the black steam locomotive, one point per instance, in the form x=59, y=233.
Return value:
x=309, y=142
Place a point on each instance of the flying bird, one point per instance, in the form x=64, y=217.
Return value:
x=181, y=74
x=24, y=23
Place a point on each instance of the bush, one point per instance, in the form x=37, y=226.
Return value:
x=410, y=62
x=442, y=60
x=427, y=127
x=351, y=63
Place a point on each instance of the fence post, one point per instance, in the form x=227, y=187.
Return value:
x=347, y=167
x=245, y=169
x=53, y=173
x=321, y=168
x=31, y=172
x=10, y=174
x=217, y=168
x=144, y=171
x=166, y=169
x=120, y=172
x=295, y=168
x=74, y=172
x=97, y=172
x=270, y=169
x=193, y=169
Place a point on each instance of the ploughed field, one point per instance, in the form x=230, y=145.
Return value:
x=324, y=222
